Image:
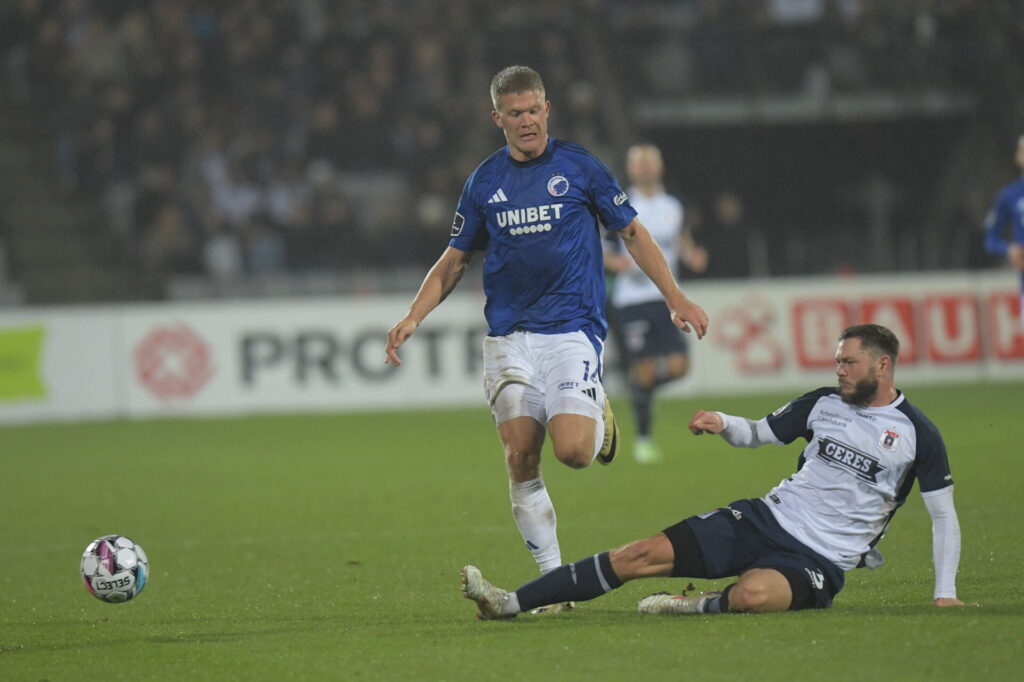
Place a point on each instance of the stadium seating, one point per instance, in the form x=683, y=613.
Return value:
x=229, y=141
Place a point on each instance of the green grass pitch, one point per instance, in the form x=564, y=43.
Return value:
x=328, y=547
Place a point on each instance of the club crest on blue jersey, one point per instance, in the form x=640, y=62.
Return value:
x=558, y=185
x=889, y=439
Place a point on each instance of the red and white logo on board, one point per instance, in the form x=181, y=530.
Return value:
x=747, y=330
x=173, y=362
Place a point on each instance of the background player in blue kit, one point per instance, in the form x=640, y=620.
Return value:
x=655, y=350
x=1008, y=212
x=866, y=445
x=533, y=207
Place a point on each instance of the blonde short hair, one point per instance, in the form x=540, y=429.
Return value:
x=513, y=80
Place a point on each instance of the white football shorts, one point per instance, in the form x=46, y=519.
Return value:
x=541, y=375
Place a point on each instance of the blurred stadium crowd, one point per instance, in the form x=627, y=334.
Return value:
x=269, y=136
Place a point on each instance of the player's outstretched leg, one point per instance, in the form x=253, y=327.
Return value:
x=492, y=601
x=581, y=581
x=610, y=444
x=758, y=590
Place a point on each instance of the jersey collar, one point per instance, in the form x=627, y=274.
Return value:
x=532, y=162
x=887, y=406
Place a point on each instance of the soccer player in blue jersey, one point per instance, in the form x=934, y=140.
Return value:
x=866, y=446
x=533, y=208
x=1008, y=212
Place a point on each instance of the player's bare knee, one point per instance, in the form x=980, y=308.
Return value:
x=573, y=455
x=644, y=374
x=677, y=365
x=755, y=598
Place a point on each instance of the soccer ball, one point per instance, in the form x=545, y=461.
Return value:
x=114, y=568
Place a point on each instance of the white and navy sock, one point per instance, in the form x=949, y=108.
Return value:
x=719, y=604
x=535, y=517
x=580, y=581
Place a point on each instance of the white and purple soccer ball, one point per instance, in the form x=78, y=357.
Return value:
x=114, y=568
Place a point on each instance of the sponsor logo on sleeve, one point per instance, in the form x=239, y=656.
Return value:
x=457, y=224
x=620, y=198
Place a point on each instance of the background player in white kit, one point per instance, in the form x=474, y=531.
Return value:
x=654, y=348
x=866, y=447
x=533, y=208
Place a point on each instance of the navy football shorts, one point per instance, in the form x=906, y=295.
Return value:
x=648, y=331
x=732, y=540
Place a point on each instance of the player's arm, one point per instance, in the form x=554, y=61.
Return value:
x=647, y=254
x=783, y=426
x=690, y=252
x=739, y=432
x=945, y=544
x=438, y=283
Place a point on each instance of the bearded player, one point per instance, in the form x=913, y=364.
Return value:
x=866, y=446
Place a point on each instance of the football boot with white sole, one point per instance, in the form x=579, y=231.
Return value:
x=490, y=600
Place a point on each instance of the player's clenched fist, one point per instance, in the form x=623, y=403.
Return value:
x=396, y=337
x=706, y=422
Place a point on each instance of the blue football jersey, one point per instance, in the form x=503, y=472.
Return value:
x=537, y=223
x=1006, y=212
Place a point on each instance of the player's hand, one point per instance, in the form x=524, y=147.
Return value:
x=949, y=601
x=697, y=259
x=1015, y=254
x=706, y=422
x=396, y=337
x=688, y=314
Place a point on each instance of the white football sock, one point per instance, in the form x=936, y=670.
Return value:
x=535, y=517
